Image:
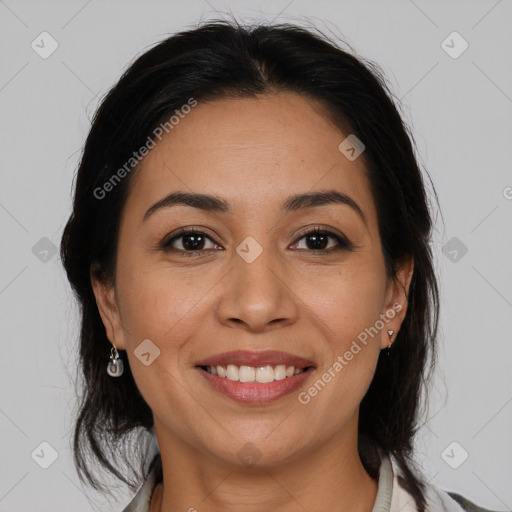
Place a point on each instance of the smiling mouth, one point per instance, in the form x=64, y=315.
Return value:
x=255, y=374
x=256, y=377
x=256, y=384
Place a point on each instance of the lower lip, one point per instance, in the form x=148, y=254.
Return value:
x=254, y=392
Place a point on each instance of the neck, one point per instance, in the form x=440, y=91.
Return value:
x=328, y=477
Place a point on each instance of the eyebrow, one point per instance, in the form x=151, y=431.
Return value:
x=211, y=203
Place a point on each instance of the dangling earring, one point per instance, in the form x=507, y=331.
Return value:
x=390, y=334
x=115, y=366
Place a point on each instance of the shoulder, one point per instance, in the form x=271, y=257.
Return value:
x=141, y=502
x=465, y=504
x=438, y=500
x=446, y=500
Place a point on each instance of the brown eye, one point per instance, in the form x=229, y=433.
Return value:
x=317, y=240
x=188, y=241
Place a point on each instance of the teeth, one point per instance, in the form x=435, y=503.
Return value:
x=232, y=372
x=246, y=374
x=265, y=374
x=261, y=374
x=280, y=372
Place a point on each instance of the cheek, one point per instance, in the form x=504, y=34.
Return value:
x=160, y=304
x=348, y=309
x=161, y=308
x=169, y=307
x=347, y=302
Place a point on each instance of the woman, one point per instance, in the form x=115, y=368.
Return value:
x=249, y=243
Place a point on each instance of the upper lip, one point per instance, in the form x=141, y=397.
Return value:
x=256, y=359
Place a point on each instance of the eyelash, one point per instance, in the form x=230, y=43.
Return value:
x=343, y=243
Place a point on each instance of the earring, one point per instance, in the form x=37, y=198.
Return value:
x=390, y=334
x=115, y=366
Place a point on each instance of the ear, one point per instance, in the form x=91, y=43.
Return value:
x=396, y=301
x=109, y=311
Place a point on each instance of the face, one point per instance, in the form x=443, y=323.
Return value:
x=251, y=279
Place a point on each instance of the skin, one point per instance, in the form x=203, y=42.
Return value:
x=254, y=153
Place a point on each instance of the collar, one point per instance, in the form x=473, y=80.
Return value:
x=391, y=496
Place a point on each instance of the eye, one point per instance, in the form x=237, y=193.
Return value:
x=188, y=240
x=317, y=240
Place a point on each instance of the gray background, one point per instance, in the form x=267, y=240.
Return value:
x=460, y=110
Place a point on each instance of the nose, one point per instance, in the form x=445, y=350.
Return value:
x=258, y=295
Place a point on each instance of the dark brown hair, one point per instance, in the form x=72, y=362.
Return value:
x=221, y=60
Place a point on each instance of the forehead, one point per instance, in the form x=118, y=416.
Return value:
x=252, y=151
